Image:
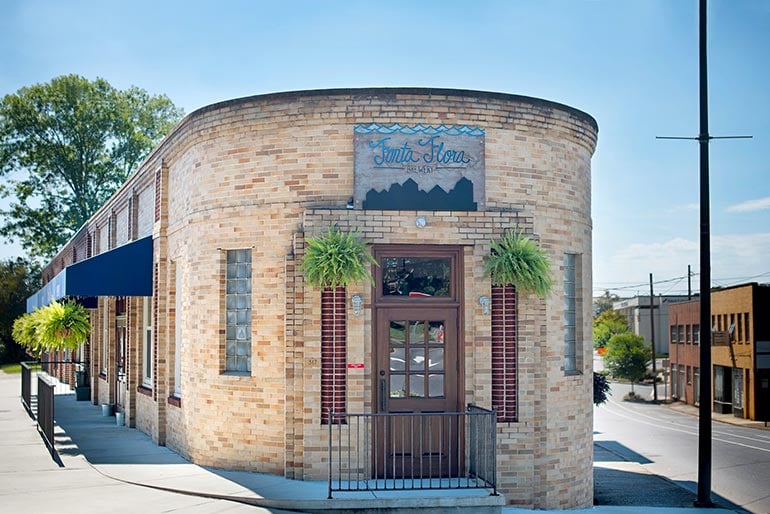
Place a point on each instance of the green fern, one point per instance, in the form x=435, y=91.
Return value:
x=336, y=259
x=57, y=326
x=518, y=260
x=24, y=332
x=63, y=326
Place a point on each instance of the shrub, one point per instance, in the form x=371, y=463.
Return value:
x=601, y=388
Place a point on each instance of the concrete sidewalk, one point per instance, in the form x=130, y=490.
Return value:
x=119, y=469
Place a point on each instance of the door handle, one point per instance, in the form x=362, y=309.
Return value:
x=383, y=395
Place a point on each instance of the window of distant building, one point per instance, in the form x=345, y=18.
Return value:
x=746, y=326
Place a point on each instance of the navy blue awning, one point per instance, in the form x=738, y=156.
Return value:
x=124, y=271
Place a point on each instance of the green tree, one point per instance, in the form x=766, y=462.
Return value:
x=18, y=280
x=608, y=324
x=65, y=147
x=627, y=357
x=604, y=302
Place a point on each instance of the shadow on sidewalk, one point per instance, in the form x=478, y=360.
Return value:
x=84, y=431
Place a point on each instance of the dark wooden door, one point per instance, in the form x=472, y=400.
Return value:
x=416, y=352
x=120, y=363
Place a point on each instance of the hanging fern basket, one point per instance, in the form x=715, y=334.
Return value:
x=518, y=260
x=336, y=259
x=57, y=326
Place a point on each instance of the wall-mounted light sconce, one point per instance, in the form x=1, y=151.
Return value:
x=420, y=222
x=484, y=302
x=357, y=302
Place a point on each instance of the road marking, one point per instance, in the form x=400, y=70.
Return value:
x=658, y=425
x=757, y=437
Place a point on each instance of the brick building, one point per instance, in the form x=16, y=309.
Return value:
x=216, y=347
x=740, y=350
x=684, y=351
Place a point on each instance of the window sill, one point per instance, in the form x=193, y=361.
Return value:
x=245, y=374
x=144, y=390
x=176, y=401
x=572, y=373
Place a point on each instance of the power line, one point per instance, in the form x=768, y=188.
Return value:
x=719, y=282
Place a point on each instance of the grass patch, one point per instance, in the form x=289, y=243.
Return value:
x=15, y=367
x=11, y=368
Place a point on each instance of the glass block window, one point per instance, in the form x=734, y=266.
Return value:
x=238, y=311
x=570, y=309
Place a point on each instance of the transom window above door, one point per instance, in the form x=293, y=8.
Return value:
x=417, y=273
x=416, y=276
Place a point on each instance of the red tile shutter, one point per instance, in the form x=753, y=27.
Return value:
x=333, y=353
x=504, y=379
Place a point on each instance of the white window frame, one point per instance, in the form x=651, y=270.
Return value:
x=177, y=332
x=147, y=342
x=105, y=337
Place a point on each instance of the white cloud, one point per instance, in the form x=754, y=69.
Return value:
x=685, y=207
x=760, y=204
x=732, y=257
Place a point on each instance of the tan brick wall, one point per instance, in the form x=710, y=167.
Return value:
x=267, y=172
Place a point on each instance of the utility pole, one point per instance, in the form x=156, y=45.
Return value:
x=704, y=410
x=689, y=283
x=652, y=338
x=704, y=414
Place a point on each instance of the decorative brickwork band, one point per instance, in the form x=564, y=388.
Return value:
x=333, y=353
x=504, y=379
x=157, y=195
x=155, y=316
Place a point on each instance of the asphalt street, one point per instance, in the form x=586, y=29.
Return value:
x=665, y=442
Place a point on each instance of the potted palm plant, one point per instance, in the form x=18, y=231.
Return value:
x=519, y=261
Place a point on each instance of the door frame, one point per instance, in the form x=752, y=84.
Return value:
x=453, y=302
x=121, y=385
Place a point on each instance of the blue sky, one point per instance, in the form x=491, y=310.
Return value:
x=631, y=64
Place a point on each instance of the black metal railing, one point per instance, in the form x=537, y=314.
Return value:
x=45, y=394
x=412, y=451
x=40, y=382
x=26, y=388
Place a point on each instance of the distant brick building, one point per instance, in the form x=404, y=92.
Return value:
x=740, y=350
x=217, y=348
x=684, y=351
